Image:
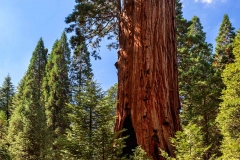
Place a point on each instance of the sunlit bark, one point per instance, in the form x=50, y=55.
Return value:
x=148, y=100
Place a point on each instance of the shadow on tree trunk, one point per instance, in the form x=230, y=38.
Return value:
x=131, y=141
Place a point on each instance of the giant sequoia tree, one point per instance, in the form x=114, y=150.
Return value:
x=147, y=75
x=148, y=100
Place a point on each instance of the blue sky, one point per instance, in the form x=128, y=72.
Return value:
x=211, y=14
x=23, y=22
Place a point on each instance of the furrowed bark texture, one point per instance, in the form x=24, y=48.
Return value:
x=148, y=101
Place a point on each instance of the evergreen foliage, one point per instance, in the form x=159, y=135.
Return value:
x=182, y=38
x=139, y=154
x=198, y=61
x=112, y=97
x=189, y=144
x=223, y=56
x=6, y=95
x=91, y=132
x=80, y=70
x=92, y=21
x=229, y=116
x=26, y=130
x=223, y=51
x=3, y=137
x=16, y=123
x=197, y=88
x=91, y=112
x=56, y=93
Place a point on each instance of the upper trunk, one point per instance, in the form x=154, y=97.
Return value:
x=148, y=101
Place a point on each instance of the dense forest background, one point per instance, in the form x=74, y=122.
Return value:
x=59, y=111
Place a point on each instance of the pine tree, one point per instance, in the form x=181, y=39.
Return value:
x=139, y=154
x=189, y=144
x=223, y=51
x=6, y=95
x=194, y=77
x=26, y=130
x=223, y=55
x=92, y=21
x=197, y=87
x=182, y=30
x=229, y=115
x=80, y=70
x=56, y=89
x=16, y=122
x=3, y=137
x=104, y=135
x=91, y=114
x=182, y=38
x=91, y=133
x=112, y=96
x=182, y=49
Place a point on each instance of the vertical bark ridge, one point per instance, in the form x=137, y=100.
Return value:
x=147, y=73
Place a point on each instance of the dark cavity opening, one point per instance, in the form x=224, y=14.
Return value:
x=155, y=140
x=165, y=123
x=128, y=111
x=131, y=141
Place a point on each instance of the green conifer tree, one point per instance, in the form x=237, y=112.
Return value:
x=56, y=88
x=26, y=130
x=16, y=123
x=223, y=51
x=197, y=89
x=3, y=137
x=139, y=154
x=189, y=144
x=223, y=55
x=182, y=30
x=194, y=77
x=92, y=21
x=80, y=70
x=229, y=115
x=89, y=121
x=91, y=114
x=6, y=95
x=182, y=49
x=91, y=133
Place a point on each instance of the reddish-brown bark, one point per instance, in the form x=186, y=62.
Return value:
x=148, y=100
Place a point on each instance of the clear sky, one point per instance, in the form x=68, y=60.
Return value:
x=23, y=22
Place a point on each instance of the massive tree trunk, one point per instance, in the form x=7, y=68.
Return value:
x=148, y=101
